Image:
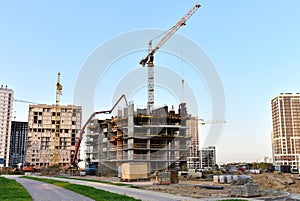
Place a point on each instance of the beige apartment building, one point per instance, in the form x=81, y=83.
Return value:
x=6, y=110
x=42, y=120
x=286, y=129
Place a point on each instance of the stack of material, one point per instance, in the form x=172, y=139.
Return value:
x=246, y=190
x=164, y=178
x=174, y=176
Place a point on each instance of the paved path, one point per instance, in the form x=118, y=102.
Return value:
x=144, y=195
x=40, y=191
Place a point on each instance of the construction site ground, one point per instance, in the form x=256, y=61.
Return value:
x=190, y=187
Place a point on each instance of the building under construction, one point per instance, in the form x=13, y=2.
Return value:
x=161, y=140
x=18, y=137
x=157, y=137
x=207, y=157
x=42, y=121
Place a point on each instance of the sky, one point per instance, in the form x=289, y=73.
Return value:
x=254, y=45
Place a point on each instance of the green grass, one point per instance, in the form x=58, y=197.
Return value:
x=101, y=181
x=10, y=189
x=232, y=200
x=91, y=192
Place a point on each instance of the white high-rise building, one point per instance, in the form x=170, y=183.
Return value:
x=6, y=110
x=286, y=129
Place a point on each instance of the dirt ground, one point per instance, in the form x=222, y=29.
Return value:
x=266, y=181
x=278, y=181
x=190, y=188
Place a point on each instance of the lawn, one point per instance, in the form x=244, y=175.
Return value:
x=91, y=192
x=10, y=189
x=232, y=200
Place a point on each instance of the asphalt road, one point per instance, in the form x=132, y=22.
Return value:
x=41, y=191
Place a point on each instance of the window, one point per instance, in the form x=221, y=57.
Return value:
x=53, y=114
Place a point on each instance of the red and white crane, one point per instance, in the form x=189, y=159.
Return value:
x=150, y=57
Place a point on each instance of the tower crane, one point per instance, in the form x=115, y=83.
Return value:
x=57, y=121
x=203, y=122
x=149, y=59
x=24, y=101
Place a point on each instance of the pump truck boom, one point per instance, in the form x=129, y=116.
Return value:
x=73, y=162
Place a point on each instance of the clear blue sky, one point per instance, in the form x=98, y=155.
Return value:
x=255, y=46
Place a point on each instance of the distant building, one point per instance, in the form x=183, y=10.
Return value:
x=207, y=157
x=6, y=110
x=41, y=134
x=266, y=159
x=18, y=143
x=192, y=132
x=286, y=129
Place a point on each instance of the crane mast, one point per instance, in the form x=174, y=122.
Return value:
x=150, y=57
x=57, y=121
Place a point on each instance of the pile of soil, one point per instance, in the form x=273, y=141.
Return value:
x=278, y=181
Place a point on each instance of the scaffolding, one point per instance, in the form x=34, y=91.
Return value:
x=159, y=139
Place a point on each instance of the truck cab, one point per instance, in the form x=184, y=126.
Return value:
x=91, y=169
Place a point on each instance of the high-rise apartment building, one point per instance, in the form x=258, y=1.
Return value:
x=18, y=142
x=286, y=129
x=41, y=140
x=6, y=110
x=192, y=131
